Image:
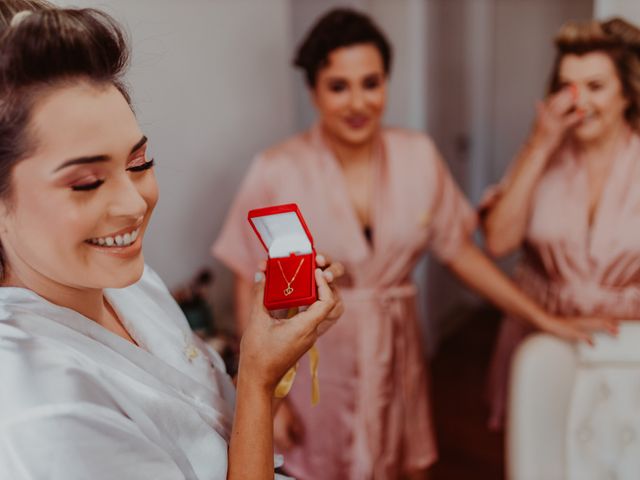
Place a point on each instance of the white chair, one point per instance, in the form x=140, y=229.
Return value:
x=574, y=412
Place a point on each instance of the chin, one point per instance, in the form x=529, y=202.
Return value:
x=357, y=138
x=125, y=275
x=587, y=133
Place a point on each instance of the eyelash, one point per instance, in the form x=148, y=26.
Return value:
x=143, y=166
x=88, y=186
x=92, y=186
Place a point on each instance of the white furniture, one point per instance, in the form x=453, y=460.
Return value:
x=574, y=412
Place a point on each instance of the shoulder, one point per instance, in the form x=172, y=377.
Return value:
x=295, y=147
x=408, y=139
x=40, y=371
x=412, y=150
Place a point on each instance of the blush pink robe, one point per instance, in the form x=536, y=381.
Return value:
x=570, y=267
x=373, y=420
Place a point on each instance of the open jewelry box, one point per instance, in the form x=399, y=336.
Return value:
x=291, y=263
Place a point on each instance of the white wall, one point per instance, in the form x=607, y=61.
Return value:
x=630, y=9
x=212, y=86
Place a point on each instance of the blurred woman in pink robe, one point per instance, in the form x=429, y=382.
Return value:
x=374, y=198
x=571, y=200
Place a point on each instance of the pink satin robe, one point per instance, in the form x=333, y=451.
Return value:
x=570, y=267
x=373, y=420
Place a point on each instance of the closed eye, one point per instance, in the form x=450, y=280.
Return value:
x=87, y=186
x=143, y=166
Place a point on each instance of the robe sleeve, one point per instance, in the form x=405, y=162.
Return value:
x=77, y=441
x=237, y=245
x=452, y=219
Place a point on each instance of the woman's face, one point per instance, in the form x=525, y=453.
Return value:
x=80, y=203
x=600, y=94
x=350, y=94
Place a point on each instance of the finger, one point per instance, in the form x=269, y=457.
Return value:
x=262, y=265
x=585, y=337
x=323, y=260
x=609, y=325
x=319, y=310
x=562, y=101
x=573, y=118
x=333, y=272
x=258, y=291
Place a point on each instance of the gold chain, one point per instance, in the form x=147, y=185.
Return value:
x=289, y=290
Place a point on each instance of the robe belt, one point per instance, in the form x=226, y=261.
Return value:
x=580, y=298
x=382, y=356
x=385, y=295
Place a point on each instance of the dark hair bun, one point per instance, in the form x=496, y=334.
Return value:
x=340, y=27
x=54, y=44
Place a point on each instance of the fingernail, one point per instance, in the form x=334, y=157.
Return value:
x=320, y=260
x=259, y=276
x=329, y=276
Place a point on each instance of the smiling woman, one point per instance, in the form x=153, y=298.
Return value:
x=101, y=376
x=571, y=197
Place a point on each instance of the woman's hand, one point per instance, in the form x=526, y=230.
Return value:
x=580, y=329
x=331, y=271
x=288, y=430
x=270, y=346
x=555, y=117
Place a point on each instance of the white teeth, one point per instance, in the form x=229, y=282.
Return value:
x=117, y=241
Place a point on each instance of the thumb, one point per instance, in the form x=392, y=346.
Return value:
x=318, y=311
x=258, y=291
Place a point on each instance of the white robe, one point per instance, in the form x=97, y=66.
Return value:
x=79, y=402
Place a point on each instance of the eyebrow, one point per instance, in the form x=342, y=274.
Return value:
x=597, y=77
x=99, y=158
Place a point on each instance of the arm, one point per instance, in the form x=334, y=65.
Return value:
x=269, y=347
x=479, y=273
x=506, y=219
x=243, y=295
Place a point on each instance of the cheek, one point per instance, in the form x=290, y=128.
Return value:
x=377, y=99
x=149, y=191
x=331, y=103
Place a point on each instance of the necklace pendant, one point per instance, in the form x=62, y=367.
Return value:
x=288, y=291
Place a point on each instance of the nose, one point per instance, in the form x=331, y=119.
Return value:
x=357, y=99
x=127, y=201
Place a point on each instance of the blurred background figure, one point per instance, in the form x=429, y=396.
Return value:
x=375, y=199
x=571, y=198
x=468, y=72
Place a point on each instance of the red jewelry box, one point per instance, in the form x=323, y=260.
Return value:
x=291, y=263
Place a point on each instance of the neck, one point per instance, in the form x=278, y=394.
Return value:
x=349, y=153
x=88, y=302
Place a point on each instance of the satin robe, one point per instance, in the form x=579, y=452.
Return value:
x=572, y=267
x=78, y=402
x=373, y=420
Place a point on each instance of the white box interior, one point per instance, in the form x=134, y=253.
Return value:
x=283, y=234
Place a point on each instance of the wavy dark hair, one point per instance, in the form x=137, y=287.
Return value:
x=340, y=27
x=616, y=37
x=43, y=48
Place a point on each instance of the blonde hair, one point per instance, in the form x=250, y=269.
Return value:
x=616, y=37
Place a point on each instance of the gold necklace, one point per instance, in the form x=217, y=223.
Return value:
x=289, y=290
